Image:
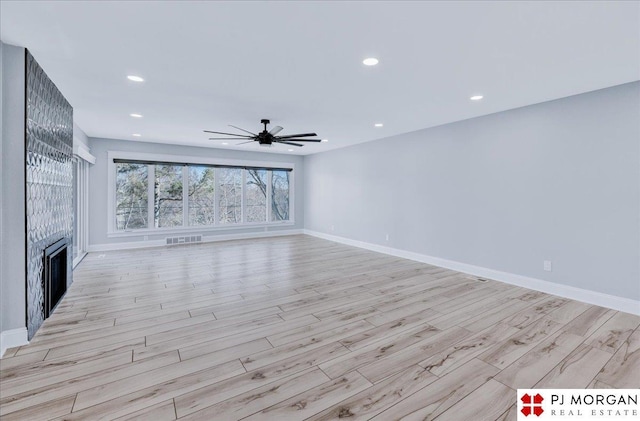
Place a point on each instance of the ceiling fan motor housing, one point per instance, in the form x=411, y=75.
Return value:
x=265, y=138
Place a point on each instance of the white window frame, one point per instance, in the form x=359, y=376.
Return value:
x=192, y=160
x=81, y=217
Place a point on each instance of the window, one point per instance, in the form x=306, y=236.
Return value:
x=131, y=196
x=167, y=196
x=161, y=194
x=256, y=195
x=279, y=195
x=230, y=200
x=201, y=197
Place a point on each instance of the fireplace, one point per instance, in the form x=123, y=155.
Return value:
x=54, y=276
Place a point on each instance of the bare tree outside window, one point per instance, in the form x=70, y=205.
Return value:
x=201, y=195
x=206, y=187
x=280, y=196
x=167, y=206
x=256, y=196
x=131, y=196
x=230, y=195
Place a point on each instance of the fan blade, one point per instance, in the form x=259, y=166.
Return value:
x=301, y=140
x=289, y=136
x=288, y=143
x=228, y=134
x=226, y=138
x=246, y=131
x=275, y=130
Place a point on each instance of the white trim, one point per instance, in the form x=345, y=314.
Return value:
x=12, y=338
x=196, y=228
x=78, y=258
x=591, y=297
x=205, y=239
x=83, y=152
x=144, y=156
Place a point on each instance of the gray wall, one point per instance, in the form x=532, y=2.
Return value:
x=12, y=276
x=98, y=184
x=554, y=181
x=79, y=136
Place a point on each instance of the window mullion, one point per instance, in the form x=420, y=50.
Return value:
x=151, y=182
x=216, y=194
x=243, y=197
x=85, y=207
x=185, y=196
x=269, y=195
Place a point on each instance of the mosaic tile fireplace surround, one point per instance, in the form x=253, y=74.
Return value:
x=49, y=193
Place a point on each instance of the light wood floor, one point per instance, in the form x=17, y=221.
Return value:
x=295, y=328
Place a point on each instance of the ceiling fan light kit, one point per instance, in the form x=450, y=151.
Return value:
x=266, y=137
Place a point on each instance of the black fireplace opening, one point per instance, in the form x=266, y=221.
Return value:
x=54, y=278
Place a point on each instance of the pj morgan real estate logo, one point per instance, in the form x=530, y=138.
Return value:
x=578, y=404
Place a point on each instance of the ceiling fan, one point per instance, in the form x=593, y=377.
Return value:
x=265, y=137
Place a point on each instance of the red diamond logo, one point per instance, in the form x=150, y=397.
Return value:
x=532, y=405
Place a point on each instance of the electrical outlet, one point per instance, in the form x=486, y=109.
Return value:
x=333, y=228
x=387, y=237
x=547, y=265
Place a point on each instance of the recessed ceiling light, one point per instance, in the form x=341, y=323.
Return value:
x=325, y=140
x=134, y=78
x=290, y=150
x=136, y=135
x=134, y=115
x=476, y=98
x=371, y=61
x=225, y=143
x=378, y=124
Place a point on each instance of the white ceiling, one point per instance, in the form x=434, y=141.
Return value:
x=210, y=64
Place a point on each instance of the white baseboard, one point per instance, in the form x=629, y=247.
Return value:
x=12, y=338
x=591, y=297
x=205, y=239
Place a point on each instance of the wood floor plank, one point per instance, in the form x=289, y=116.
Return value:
x=390, y=364
x=589, y=321
x=621, y=371
x=506, y=352
x=41, y=394
x=377, y=351
x=21, y=384
x=200, y=348
x=164, y=411
x=467, y=349
x=577, y=369
x=211, y=395
x=9, y=364
x=612, y=334
x=138, y=399
x=44, y=411
x=379, y=397
x=491, y=400
x=291, y=349
x=381, y=332
x=442, y=394
x=529, y=369
x=256, y=400
x=315, y=399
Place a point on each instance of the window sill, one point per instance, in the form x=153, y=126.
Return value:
x=196, y=229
